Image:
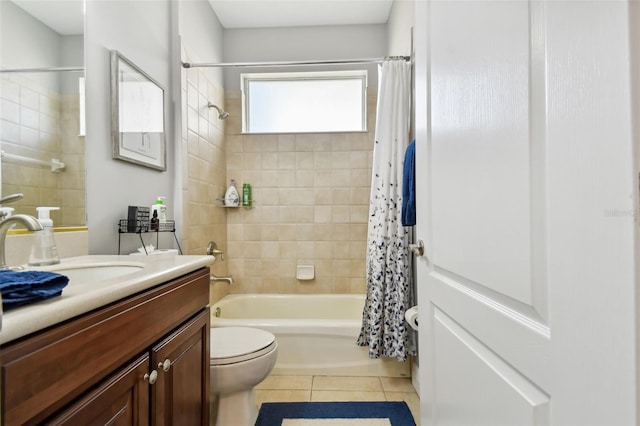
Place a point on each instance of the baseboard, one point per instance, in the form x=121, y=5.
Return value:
x=415, y=376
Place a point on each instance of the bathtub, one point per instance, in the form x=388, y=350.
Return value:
x=316, y=334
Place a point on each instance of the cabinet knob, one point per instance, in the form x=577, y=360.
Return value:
x=166, y=365
x=152, y=377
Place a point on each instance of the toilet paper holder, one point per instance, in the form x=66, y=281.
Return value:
x=411, y=316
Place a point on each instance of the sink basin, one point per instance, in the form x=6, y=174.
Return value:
x=95, y=272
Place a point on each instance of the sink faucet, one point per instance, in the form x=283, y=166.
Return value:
x=29, y=222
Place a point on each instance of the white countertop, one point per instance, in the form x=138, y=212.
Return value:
x=81, y=297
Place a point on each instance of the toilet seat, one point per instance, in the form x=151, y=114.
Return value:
x=230, y=345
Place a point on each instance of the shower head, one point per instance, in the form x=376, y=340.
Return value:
x=221, y=113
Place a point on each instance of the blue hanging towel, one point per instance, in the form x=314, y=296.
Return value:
x=409, y=186
x=22, y=287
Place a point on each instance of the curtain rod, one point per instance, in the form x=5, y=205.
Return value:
x=293, y=63
x=49, y=69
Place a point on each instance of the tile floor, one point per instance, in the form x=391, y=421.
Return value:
x=276, y=388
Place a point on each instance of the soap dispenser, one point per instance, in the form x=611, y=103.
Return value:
x=44, y=250
x=161, y=208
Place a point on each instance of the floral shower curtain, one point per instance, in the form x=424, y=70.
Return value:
x=389, y=282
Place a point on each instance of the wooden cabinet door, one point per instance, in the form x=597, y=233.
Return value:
x=181, y=394
x=122, y=400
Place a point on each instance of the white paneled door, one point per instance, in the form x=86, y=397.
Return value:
x=525, y=205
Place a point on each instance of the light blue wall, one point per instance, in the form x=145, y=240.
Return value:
x=201, y=31
x=71, y=55
x=303, y=43
x=142, y=31
x=25, y=42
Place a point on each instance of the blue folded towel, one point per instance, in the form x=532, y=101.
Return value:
x=409, y=186
x=22, y=287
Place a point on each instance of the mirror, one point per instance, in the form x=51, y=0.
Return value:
x=137, y=115
x=42, y=115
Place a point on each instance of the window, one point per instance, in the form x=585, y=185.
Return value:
x=304, y=102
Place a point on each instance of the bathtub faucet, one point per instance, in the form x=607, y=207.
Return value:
x=228, y=279
x=212, y=250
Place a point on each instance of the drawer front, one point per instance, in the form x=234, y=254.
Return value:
x=47, y=371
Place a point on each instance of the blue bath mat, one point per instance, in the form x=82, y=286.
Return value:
x=335, y=413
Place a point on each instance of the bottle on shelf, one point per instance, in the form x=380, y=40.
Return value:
x=154, y=226
x=231, y=197
x=160, y=210
x=246, y=195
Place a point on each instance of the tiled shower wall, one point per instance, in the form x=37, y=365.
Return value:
x=203, y=167
x=72, y=181
x=40, y=123
x=311, y=205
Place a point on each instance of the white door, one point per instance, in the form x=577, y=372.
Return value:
x=525, y=205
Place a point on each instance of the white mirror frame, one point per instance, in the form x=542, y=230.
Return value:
x=137, y=115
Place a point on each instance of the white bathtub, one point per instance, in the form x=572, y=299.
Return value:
x=316, y=333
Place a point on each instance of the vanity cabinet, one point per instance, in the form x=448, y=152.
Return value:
x=141, y=360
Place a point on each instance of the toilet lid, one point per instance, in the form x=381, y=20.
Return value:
x=235, y=344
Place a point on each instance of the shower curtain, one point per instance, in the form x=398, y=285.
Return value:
x=389, y=281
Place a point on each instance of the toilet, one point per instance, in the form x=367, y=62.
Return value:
x=241, y=357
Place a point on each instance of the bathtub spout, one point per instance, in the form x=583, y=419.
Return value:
x=228, y=279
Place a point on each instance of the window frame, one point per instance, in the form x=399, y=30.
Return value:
x=247, y=78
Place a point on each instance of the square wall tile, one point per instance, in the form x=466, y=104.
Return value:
x=311, y=202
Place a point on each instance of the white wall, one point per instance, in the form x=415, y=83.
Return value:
x=401, y=20
x=303, y=43
x=634, y=42
x=141, y=31
x=399, y=38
